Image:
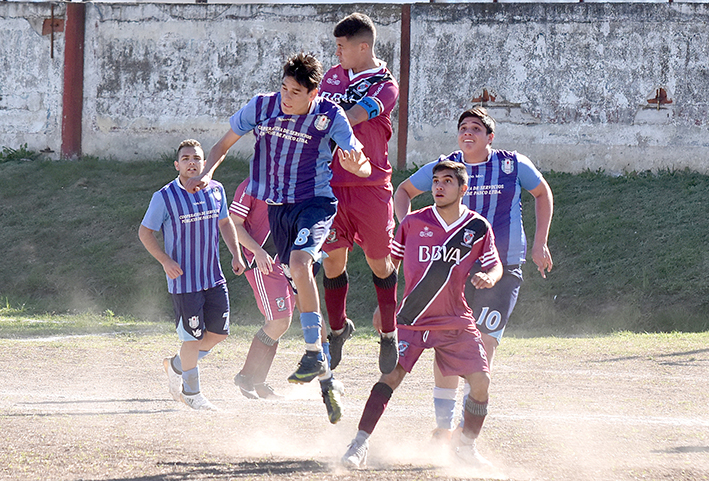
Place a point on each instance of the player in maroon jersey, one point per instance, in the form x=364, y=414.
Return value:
x=271, y=289
x=439, y=245
x=363, y=86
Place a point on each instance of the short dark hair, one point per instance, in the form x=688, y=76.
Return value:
x=479, y=113
x=458, y=168
x=188, y=143
x=356, y=25
x=305, y=69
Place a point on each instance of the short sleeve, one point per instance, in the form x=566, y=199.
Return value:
x=241, y=205
x=156, y=214
x=341, y=132
x=489, y=256
x=529, y=176
x=397, y=245
x=244, y=121
x=422, y=179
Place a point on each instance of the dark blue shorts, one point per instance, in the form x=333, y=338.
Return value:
x=196, y=312
x=492, y=307
x=301, y=226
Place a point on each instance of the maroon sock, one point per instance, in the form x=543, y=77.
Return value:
x=257, y=352
x=265, y=365
x=386, y=298
x=336, y=300
x=474, y=416
x=373, y=410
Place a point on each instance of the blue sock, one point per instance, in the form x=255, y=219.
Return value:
x=190, y=381
x=444, y=406
x=326, y=352
x=311, y=322
x=177, y=362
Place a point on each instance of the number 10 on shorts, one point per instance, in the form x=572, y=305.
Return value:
x=491, y=319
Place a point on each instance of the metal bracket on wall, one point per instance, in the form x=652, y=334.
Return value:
x=660, y=98
x=51, y=25
x=484, y=98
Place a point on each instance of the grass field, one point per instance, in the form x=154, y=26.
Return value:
x=84, y=326
x=630, y=252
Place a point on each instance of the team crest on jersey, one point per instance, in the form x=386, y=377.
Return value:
x=332, y=236
x=508, y=166
x=363, y=86
x=217, y=194
x=193, y=322
x=281, y=303
x=426, y=232
x=468, y=236
x=321, y=122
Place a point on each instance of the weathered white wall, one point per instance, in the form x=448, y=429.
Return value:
x=30, y=80
x=570, y=80
x=158, y=73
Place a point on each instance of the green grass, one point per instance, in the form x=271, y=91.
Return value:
x=631, y=252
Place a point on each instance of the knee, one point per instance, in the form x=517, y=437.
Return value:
x=278, y=327
x=300, y=267
x=382, y=268
x=480, y=387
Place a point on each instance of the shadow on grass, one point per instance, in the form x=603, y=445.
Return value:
x=672, y=354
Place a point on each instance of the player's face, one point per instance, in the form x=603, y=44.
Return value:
x=445, y=189
x=295, y=99
x=473, y=138
x=349, y=52
x=190, y=162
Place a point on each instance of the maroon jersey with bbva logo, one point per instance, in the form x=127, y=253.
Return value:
x=437, y=259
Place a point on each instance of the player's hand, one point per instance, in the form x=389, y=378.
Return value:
x=355, y=161
x=377, y=320
x=172, y=269
x=197, y=183
x=264, y=262
x=542, y=258
x=482, y=280
x=237, y=265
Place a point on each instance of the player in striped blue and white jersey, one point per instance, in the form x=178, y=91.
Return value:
x=290, y=171
x=190, y=225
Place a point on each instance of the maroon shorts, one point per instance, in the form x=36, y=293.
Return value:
x=458, y=351
x=365, y=215
x=272, y=292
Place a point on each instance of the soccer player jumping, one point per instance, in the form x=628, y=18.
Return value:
x=290, y=171
x=363, y=86
x=439, y=245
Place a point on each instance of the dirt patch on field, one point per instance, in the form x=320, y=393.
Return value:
x=98, y=408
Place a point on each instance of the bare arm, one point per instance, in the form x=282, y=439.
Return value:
x=402, y=198
x=228, y=231
x=264, y=262
x=487, y=279
x=544, y=210
x=356, y=115
x=215, y=157
x=147, y=237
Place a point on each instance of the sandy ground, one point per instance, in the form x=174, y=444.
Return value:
x=98, y=408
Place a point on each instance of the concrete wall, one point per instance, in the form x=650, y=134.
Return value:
x=567, y=82
x=158, y=73
x=30, y=80
x=571, y=81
